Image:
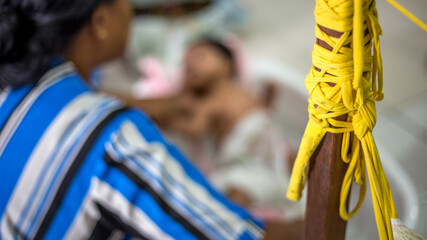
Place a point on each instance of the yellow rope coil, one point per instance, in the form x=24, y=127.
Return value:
x=347, y=84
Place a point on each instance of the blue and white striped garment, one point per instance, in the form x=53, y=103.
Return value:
x=76, y=164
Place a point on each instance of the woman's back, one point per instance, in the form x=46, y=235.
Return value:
x=77, y=164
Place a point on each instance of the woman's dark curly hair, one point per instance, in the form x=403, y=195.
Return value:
x=32, y=32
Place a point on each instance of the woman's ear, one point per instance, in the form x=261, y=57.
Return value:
x=108, y=29
x=99, y=23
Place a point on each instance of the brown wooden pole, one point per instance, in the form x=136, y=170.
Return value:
x=325, y=176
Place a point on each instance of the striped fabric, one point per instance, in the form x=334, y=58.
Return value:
x=76, y=164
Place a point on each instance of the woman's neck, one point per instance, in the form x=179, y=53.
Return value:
x=81, y=52
x=83, y=66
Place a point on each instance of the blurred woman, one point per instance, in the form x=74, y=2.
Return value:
x=77, y=164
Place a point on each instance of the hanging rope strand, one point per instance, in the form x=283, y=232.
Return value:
x=408, y=14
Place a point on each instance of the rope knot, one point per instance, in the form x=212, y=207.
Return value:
x=364, y=120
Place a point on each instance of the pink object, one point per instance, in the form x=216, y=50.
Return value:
x=155, y=82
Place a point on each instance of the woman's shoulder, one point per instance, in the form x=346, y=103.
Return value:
x=131, y=122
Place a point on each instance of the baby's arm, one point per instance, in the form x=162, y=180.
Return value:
x=196, y=118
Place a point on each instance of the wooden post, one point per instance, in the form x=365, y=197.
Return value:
x=325, y=175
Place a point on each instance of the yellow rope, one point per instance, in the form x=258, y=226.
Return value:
x=347, y=84
x=408, y=14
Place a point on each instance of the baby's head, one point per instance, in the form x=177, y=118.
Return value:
x=207, y=62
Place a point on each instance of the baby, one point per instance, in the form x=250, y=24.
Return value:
x=247, y=155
